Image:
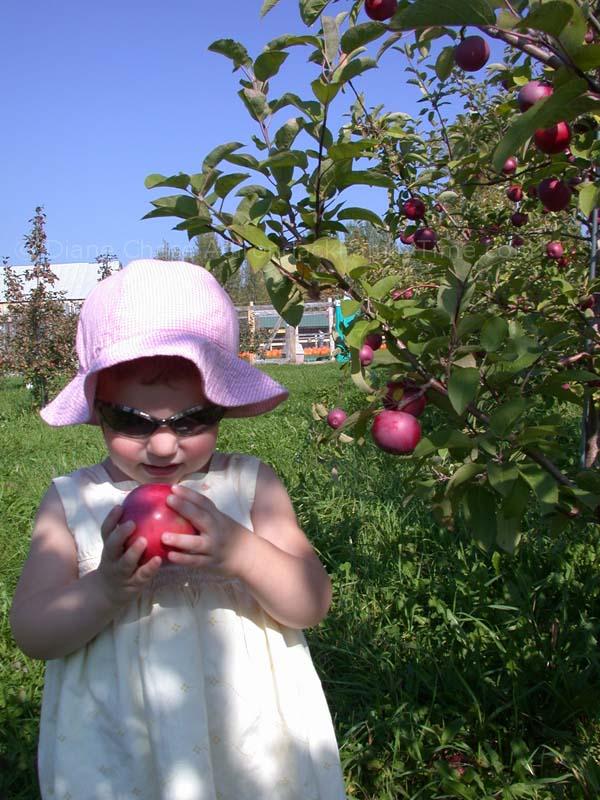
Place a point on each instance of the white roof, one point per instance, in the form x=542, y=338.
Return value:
x=75, y=280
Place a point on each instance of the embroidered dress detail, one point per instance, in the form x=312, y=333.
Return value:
x=192, y=692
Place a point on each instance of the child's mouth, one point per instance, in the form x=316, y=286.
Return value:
x=160, y=472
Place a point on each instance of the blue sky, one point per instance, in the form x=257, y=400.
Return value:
x=99, y=95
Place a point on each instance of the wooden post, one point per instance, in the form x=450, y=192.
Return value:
x=330, y=326
x=291, y=335
x=251, y=324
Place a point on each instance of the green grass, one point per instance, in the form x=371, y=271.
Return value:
x=434, y=652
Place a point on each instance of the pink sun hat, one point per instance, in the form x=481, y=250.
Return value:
x=152, y=308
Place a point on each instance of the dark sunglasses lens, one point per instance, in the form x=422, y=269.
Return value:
x=197, y=421
x=126, y=422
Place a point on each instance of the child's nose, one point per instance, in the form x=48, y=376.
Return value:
x=163, y=442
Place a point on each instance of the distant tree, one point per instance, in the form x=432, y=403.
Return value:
x=41, y=330
x=167, y=253
x=105, y=263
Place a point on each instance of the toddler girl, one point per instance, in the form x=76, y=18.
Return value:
x=189, y=679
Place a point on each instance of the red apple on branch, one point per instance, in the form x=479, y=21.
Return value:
x=414, y=208
x=146, y=506
x=380, y=9
x=472, y=53
x=510, y=166
x=515, y=193
x=532, y=92
x=396, y=432
x=400, y=397
x=425, y=238
x=555, y=250
x=553, y=140
x=365, y=355
x=374, y=340
x=554, y=194
x=519, y=219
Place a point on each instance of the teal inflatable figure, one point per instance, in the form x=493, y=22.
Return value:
x=342, y=325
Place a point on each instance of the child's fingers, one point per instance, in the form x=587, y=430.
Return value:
x=110, y=521
x=114, y=543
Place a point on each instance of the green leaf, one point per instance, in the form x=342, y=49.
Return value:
x=425, y=13
x=551, y=17
x=517, y=501
x=267, y=6
x=503, y=420
x=219, y=153
x=361, y=214
x=285, y=158
x=479, y=508
x=355, y=68
x=268, y=64
x=233, y=50
x=284, y=294
x=543, y=485
x=502, y=477
x=256, y=103
x=310, y=10
x=360, y=35
x=464, y=474
x=463, y=387
x=255, y=236
x=508, y=533
x=493, y=333
x=368, y=177
x=342, y=151
x=359, y=329
x=445, y=63
x=227, y=183
x=292, y=40
x=176, y=205
x=286, y=135
x=332, y=250
x=568, y=101
x=180, y=181
x=258, y=259
x=325, y=92
x=446, y=438
x=589, y=196
x=331, y=36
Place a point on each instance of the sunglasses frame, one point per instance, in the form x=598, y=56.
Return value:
x=157, y=422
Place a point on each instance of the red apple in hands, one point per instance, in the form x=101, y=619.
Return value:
x=396, y=432
x=336, y=417
x=472, y=53
x=380, y=9
x=147, y=506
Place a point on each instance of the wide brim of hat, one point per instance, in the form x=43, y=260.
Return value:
x=228, y=380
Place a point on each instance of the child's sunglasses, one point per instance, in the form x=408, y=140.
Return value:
x=139, y=425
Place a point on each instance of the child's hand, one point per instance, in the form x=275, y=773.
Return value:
x=118, y=569
x=221, y=543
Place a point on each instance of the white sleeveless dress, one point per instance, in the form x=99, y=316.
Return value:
x=192, y=692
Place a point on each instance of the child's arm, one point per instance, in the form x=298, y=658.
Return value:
x=54, y=612
x=276, y=562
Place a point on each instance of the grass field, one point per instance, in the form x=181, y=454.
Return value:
x=450, y=672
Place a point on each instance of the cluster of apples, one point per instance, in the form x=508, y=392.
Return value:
x=395, y=429
x=424, y=237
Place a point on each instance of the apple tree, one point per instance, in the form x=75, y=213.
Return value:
x=488, y=305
